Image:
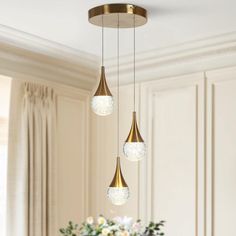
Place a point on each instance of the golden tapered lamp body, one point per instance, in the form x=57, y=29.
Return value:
x=134, y=147
x=102, y=101
x=118, y=191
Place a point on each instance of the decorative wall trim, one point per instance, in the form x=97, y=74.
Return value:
x=80, y=100
x=214, y=79
x=22, y=53
x=213, y=160
x=191, y=57
x=196, y=159
x=205, y=156
x=29, y=55
x=147, y=91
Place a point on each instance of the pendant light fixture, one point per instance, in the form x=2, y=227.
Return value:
x=118, y=16
x=118, y=191
x=102, y=101
x=134, y=147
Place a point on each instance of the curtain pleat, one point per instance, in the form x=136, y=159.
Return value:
x=32, y=152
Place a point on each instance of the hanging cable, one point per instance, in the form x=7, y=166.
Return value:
x=134, y=60
x=118, y=83
x=102, y=41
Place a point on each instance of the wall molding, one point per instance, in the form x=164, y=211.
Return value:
x=148, y=90
x=214, y=81
x=29, y=55
x=190, y=57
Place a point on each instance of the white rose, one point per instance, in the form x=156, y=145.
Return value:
x=89, y=220
x=124, y=221
x=101, y=220
x=105, y=231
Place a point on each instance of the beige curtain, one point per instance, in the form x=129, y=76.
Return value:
x=31, y=162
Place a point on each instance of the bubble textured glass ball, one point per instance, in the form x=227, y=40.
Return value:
x=102, y=105
x=118, y=196
x=134, y=151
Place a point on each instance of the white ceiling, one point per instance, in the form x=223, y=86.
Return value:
x=170, y=22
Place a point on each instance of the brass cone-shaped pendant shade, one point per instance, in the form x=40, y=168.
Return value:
x=134, y=134
x=102, y=101
x=118, y=191
x=103, y=89
x=134, y=146
x=118, y=179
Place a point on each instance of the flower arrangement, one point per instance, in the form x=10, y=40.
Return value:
x=117, y=227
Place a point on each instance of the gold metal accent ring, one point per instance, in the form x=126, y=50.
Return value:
x=107, y=15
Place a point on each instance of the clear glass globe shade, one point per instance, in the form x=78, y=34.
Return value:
x=134, y=151
x=118, y=196
x=102, y=105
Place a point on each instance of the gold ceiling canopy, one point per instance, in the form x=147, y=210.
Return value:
x=107, y=15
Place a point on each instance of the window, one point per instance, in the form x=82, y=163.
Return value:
x=5, y=86
x=3, y=182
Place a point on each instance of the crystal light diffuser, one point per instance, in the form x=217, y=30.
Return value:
x=118, y=191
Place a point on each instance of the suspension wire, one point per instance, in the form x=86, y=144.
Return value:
x=118, y=84
x=134, y=36
x=102, y=41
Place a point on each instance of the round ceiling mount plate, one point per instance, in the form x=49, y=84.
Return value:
x=107, y=15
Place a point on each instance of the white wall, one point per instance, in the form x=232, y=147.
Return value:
x=72, y=161
x=221, y=152
x=188, y=176
x=173, y=117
